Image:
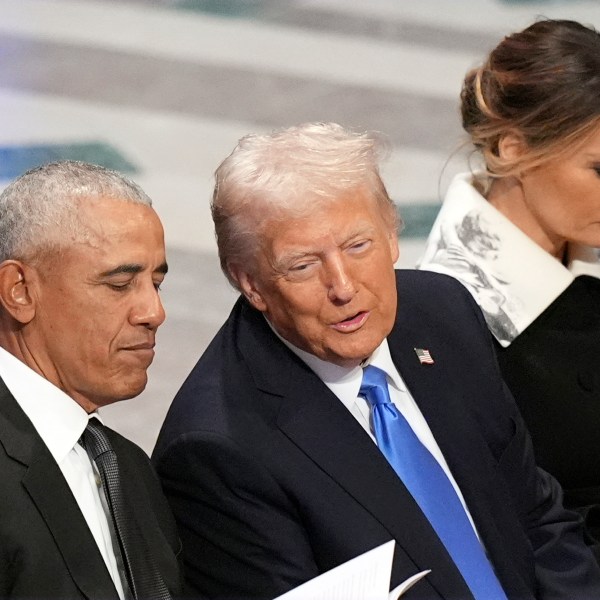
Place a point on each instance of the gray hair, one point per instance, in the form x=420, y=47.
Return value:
x=287, y=173
x=39, y=210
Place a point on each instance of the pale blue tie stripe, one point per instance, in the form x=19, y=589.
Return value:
x=430, y=487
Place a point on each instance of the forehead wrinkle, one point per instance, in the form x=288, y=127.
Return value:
x=296, y=254
x=339, y=237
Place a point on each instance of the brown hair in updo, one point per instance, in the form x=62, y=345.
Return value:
x=542, y=83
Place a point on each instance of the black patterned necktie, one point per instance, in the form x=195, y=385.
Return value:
x=143, y=576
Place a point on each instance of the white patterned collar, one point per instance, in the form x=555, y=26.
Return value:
x=512, y=278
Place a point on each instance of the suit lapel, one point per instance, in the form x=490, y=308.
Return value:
x=52, y=496
x=440, y=395
x=319, y=424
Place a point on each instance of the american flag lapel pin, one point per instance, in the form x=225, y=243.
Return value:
x=424, y=356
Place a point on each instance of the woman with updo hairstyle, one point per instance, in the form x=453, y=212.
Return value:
x=529, y=256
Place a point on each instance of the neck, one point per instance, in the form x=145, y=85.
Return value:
x=507, y=196
x=18, y=346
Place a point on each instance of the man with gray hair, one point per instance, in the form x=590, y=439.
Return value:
x=81, y=511
x=344, y=404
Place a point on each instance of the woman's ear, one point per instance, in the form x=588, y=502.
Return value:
x=511, y=146
x=16, y=297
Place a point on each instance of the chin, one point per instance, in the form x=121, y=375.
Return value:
x=357, y=353
x=133, y=390
x=353, y=359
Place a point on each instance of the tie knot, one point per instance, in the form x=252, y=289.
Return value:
x=95, y=440
x=374, y=385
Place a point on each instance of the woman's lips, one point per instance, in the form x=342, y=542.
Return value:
x=352, y=323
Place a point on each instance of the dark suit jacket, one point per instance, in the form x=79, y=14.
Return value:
x=553, y=370
x=46, y=547
x=273, y=481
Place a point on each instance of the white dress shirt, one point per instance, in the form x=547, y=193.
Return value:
x=345, y=384
x=60, y=421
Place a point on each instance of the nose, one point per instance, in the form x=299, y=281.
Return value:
x=148, y=310
x=341, y=287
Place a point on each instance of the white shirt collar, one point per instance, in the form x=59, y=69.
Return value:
x=57, y=418
x=513, y=283
x=345, y=382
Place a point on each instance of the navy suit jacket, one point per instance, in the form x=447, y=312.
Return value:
x=46, y=547
x=273, y=481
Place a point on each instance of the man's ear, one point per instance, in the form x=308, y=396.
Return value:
x=394, y=247
x=16, y=295
x=247, y=286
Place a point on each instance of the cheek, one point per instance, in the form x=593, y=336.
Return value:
x=298, y=300
x=552, y=194
x=304, y=319
x=383, y=287
x=298, y=316
x=95, y=340
x=381, y=279
x=561, y=210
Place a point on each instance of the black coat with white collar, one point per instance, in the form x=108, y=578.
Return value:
x=553, y=371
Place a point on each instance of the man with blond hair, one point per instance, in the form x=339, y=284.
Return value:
x=344, y=404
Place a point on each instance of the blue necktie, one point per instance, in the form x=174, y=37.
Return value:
x=430, y=487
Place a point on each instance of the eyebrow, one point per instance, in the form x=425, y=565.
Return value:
x=283, y=262
x=133, y=268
